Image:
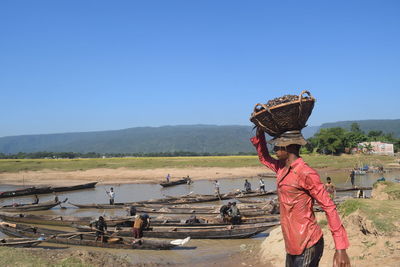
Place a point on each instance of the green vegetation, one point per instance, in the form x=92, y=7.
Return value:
x=383, y=213
x=19, y=257
x=338, y=140
x=315, y=161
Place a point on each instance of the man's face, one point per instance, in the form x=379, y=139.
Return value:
x=281, y=152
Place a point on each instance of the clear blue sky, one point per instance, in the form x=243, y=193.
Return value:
x=73, y=66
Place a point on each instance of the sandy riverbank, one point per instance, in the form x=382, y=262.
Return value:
x=125, y=175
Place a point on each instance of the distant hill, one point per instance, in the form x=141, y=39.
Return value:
x=386, y=126
x=192, y=138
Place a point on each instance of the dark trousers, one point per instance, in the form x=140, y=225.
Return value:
x=309, y=258
x=137, y=233
x=111, y=201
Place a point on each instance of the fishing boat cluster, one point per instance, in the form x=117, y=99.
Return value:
x=170, y=222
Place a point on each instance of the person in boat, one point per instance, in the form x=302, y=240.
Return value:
x=216, y=187
x=36, y=200
x=141, y=222
x=262, y=185
x=247, y=186
x=224, y=212
x=167, y=177
x=56, y=200
x=111, y=195
x=298, y=185
x=188, y=180
x=352, y=177
x=192, y=219
x=101, y=228
x=330, y=188
x=234, y=214
x=360, y=193
x=132, y=211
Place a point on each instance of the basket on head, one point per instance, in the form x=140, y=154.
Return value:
x=283, y=117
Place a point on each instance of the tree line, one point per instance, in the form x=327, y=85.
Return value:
x=74, y=155
x=338, y=140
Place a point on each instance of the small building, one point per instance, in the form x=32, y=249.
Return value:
x=378, y=148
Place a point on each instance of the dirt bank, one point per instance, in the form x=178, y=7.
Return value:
x=125, y=175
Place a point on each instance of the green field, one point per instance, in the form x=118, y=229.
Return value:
x=316, y=161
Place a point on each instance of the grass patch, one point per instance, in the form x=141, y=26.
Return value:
x=17, y=257
x=315, y=161
x=382, y=213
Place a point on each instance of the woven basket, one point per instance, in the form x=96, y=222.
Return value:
x=283, y=117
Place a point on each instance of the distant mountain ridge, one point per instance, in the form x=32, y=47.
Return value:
x=229, y=139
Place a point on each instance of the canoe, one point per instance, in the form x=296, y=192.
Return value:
x=73, y=187
x=45, y=190
x=58, y=220
x=124, y=220
x=19, y=242
x=214, y=210
x=87, y=239
x=207, y=221
x=30, y=207
x=25, y=192
x=181, y=181
x=210, y=232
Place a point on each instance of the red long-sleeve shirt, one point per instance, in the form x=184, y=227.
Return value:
x=297, y=188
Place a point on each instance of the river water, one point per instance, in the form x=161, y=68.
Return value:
x=196, y=251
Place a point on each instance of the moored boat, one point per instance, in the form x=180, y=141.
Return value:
x=208, y=232
x=19, y=242
x=30, y=207
x=45, y=190
x=184, y=180
x=87, y=239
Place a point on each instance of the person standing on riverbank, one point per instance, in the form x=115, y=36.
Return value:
x=111, y=195
x=352, y=176
x=330, y=188
x=298, y=185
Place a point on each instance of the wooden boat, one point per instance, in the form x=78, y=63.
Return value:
x=45, y=190
x=184, y=180
x=25, y=192
x=125, y=220
x=19, y=242
x=87, y=239
x=213, y=210
x=202, y=232
x=58, y=220
x=31, y=207
x=73, y=187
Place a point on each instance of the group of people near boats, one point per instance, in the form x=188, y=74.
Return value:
x=140, y=223
x=230, y=213
x=247, y=187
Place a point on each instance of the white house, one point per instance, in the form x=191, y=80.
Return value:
x=379, y=148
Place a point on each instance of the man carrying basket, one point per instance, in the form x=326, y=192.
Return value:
x=298, y=185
